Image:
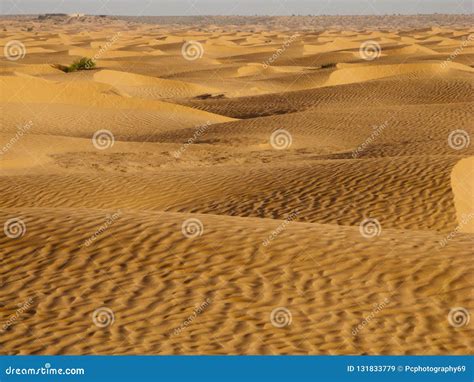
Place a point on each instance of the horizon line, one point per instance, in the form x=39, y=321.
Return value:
x=240, y=15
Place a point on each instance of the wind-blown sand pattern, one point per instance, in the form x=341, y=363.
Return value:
x=254, y=188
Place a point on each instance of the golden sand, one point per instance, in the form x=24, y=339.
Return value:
x=259, y=171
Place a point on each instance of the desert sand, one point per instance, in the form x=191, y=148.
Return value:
x=253, y=189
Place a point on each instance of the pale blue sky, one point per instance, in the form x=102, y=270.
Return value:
x=235, y=7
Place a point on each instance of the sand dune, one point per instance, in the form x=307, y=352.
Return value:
x=276, y=143
x=392, y=92
x=151, y=276
x=139, y=86
x=463, y=189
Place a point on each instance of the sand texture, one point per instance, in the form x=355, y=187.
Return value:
x=236, y=189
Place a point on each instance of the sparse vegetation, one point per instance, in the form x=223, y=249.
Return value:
x=83, y=63
x=329, y=65
x=210, y=96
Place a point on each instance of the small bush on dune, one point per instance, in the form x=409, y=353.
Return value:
x=83, y=63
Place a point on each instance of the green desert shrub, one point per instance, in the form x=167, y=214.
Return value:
x=83, y=63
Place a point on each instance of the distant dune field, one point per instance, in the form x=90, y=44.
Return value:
x=237, y=186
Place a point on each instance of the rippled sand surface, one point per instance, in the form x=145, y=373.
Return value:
x=236, y=189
